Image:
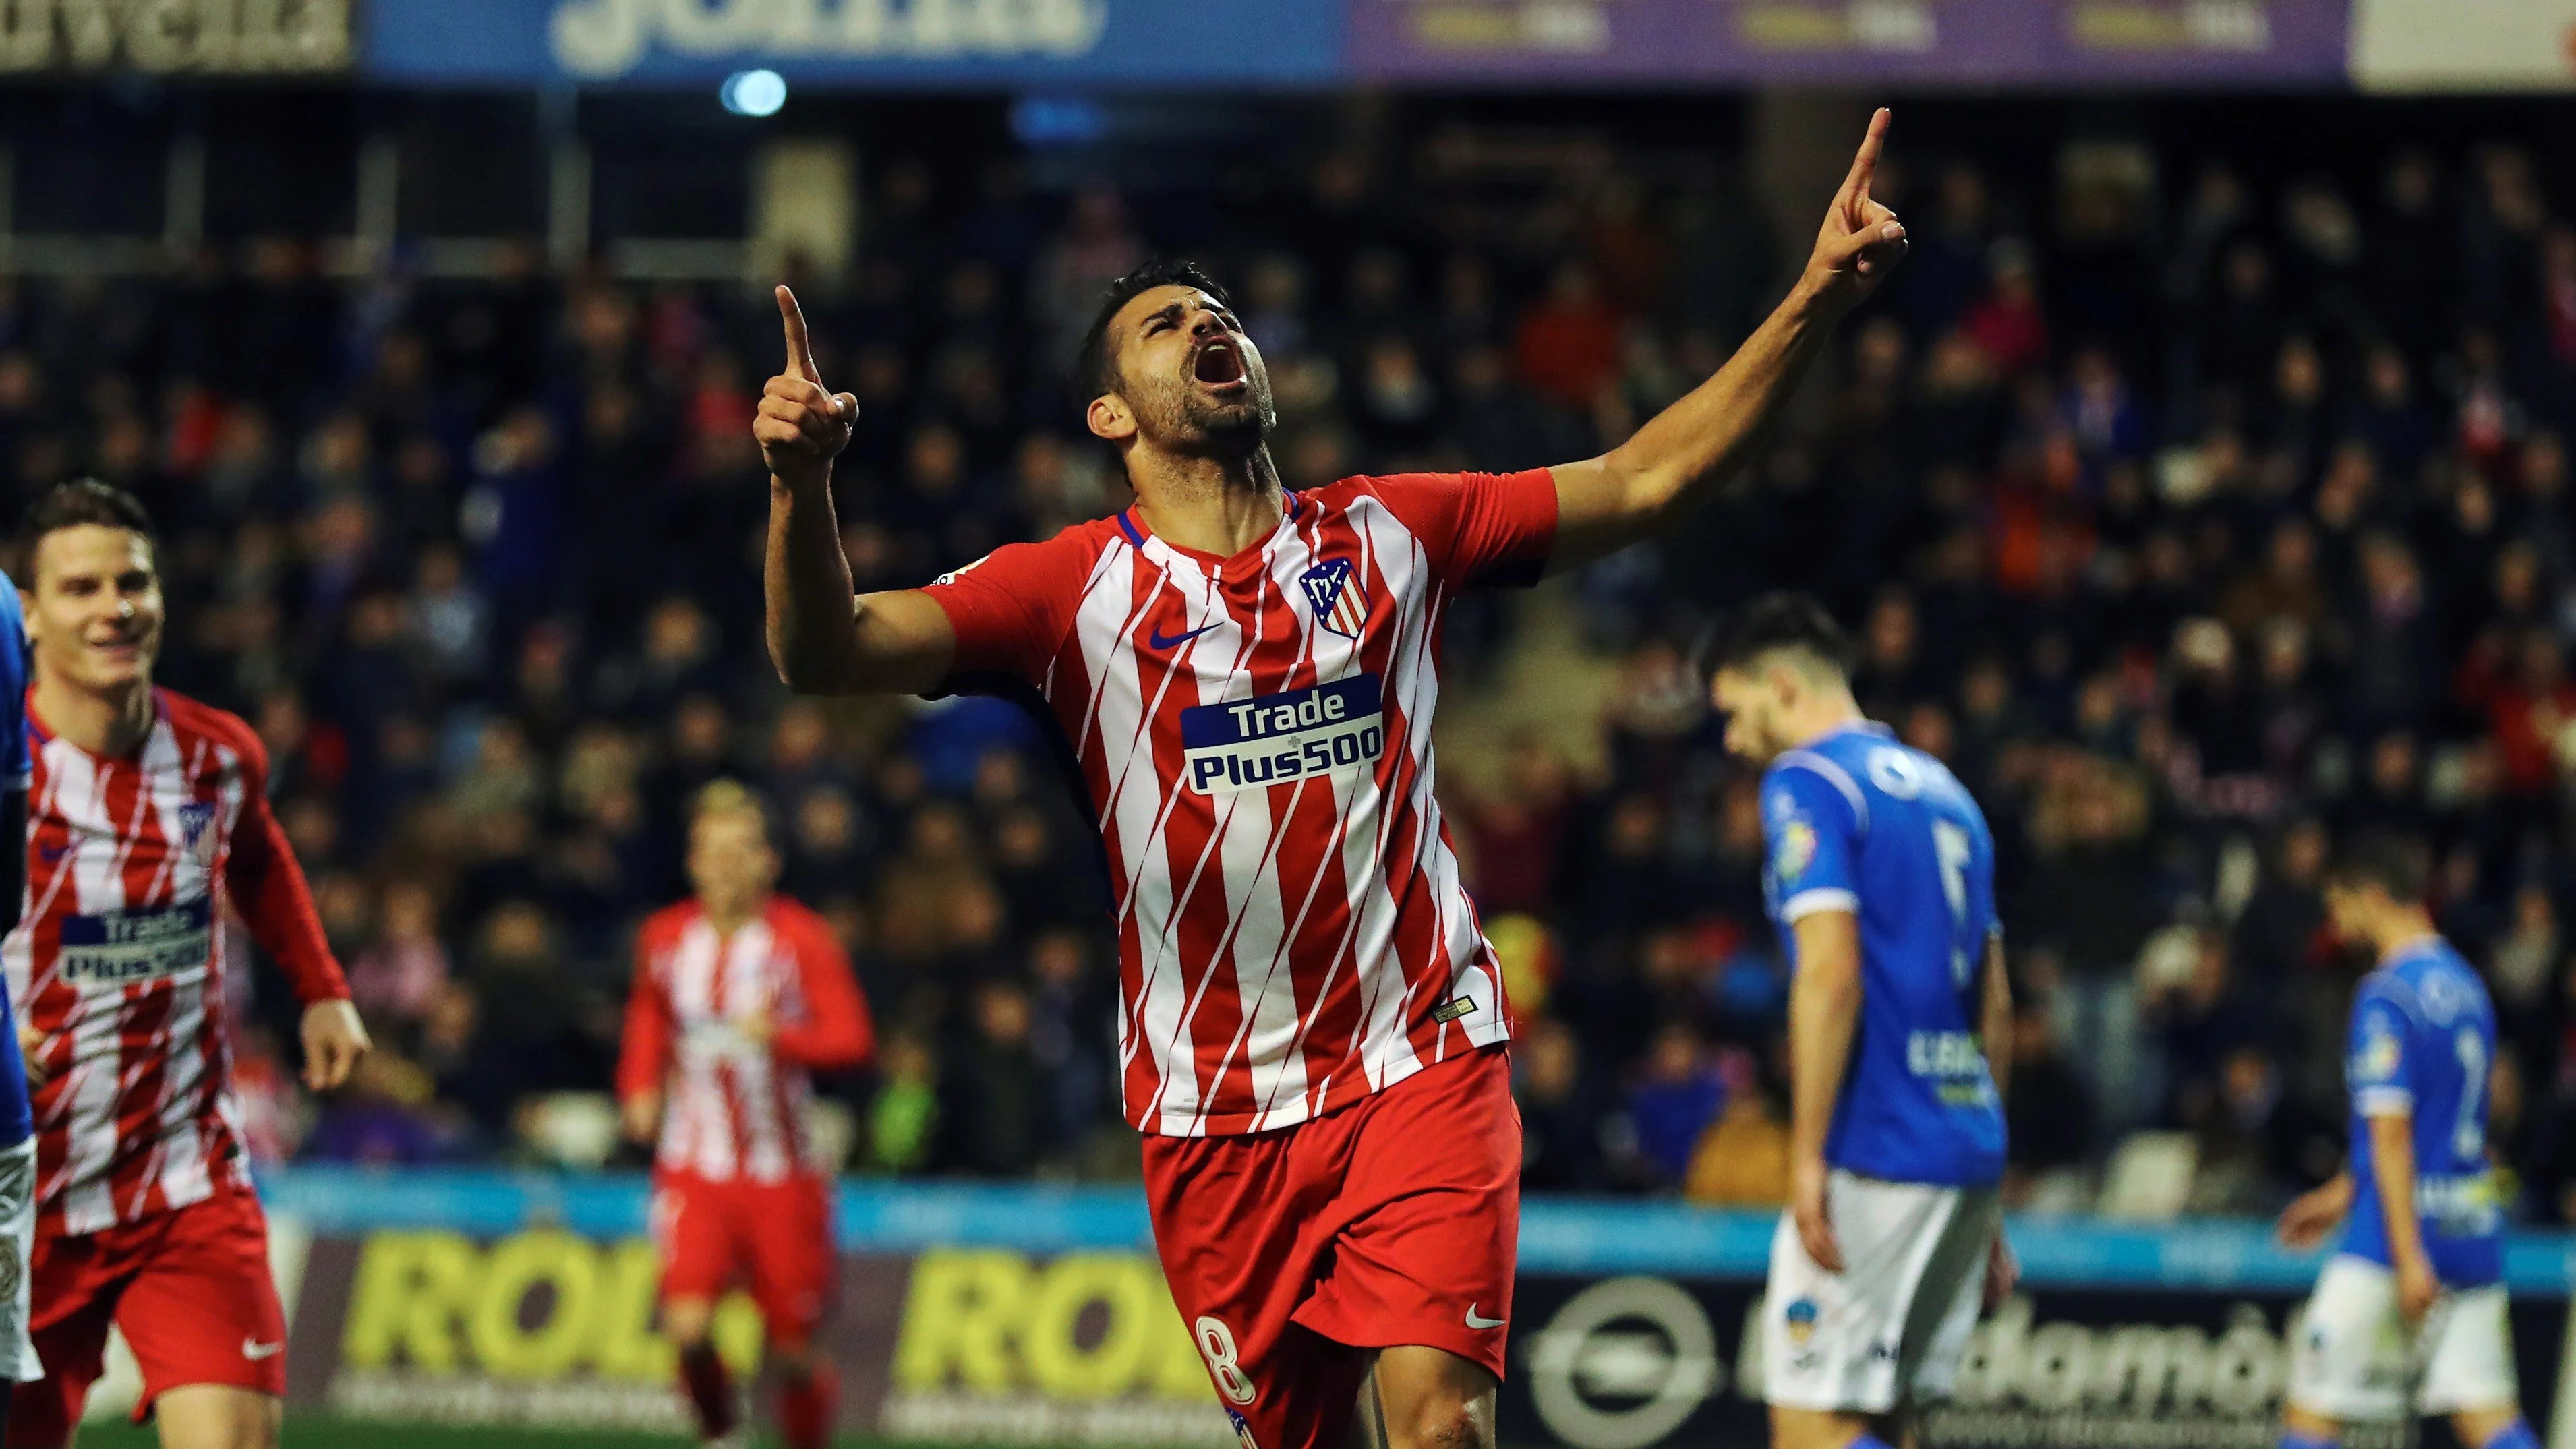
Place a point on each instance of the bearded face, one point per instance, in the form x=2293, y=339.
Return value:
x=1193, y=381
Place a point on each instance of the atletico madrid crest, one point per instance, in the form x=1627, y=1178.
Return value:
x=1333, y=592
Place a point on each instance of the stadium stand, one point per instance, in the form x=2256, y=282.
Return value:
x=2192, y=530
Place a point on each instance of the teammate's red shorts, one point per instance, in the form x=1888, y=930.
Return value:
x=1392, y=1221
x=189, y=1287
x=775, y=1236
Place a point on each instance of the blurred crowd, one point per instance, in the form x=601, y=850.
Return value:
x=2194, y=516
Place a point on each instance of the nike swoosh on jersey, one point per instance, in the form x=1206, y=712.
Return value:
x=1158, y=641
x=1474, y=1320
x=255, y=1350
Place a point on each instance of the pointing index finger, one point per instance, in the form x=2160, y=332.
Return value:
x=1865, y=164
x=800, y=347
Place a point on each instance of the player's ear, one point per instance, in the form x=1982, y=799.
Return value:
x=1786, y=686
x=1109, y=419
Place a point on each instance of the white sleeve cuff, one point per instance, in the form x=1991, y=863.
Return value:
x=2384, y=1102
x=1822, y=898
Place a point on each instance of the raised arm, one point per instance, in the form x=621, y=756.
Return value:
x=822, y=639
x=1687, y=452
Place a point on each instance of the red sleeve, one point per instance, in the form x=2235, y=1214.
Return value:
x=836, y=1033
x=1013, y=606
x=646, y=1052
x=268, y=888
x=1478, y=528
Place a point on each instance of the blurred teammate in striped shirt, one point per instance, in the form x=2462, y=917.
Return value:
x=739, y=994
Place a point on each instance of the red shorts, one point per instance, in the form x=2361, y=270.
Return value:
x=777, y=1236
x=191, y=1290
x=1392, y=1221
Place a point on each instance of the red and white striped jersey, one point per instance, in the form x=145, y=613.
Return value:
x=1255, y=737
x=734, y=1100
x=119, y=958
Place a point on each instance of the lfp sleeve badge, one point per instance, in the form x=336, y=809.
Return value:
x=1272, y=739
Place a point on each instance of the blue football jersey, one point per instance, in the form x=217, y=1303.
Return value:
x=2423, y=1040
x=17, y=1124
x=1859, y=822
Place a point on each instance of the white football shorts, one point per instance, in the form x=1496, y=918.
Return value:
x=1892, y=1328
x=17, y=1240
x=2354, y=1361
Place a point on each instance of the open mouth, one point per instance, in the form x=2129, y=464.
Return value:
x=1219, y=364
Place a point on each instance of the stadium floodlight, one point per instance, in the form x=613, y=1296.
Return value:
x=754, y=92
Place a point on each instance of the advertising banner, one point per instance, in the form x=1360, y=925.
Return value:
x=1626, y=1362
x=1039, y=1316
x=189, y=37
x=548, y=1328
x=2443, y=45
x=898, y=43
x=2269, y=43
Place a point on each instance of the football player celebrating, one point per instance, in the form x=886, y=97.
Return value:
x=1312, y=1022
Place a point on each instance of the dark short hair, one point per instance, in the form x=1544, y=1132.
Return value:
x=2395, y=863
x=1094, y=369
x=1770, y=624
x=69, y=505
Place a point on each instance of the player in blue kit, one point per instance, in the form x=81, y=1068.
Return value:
x=17, y=1124
x=2412, y=1304
x=1881, y=880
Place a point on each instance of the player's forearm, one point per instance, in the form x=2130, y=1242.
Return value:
x=812, y=611
x=820, y=1048
x=834, y=1039
x=1994, y=1017
x=645, y=1052
x=1689, y=451
x=2392, y=1148
x=277, y=905
x=2339, y=1190
x=1824, y=1011
x=838, y=1035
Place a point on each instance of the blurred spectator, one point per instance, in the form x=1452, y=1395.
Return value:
x=993, y=1100
x=2200, y=1013
x=1072, y=1035
x=1568, y=345
x=397, y=977
x=1515, y=834
x=2087, y=898
x=2258, y=1144
x=1742, y=1160
x=1676, y=1097
x=381, y=1119
x=2048, y=1109
x=1565, y=1114
x=903, y=1119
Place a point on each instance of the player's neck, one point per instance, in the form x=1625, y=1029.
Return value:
x=1826, y=718
x=107, y=722
x=2405, y=928
x=1218, y=506
x=731, y=916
